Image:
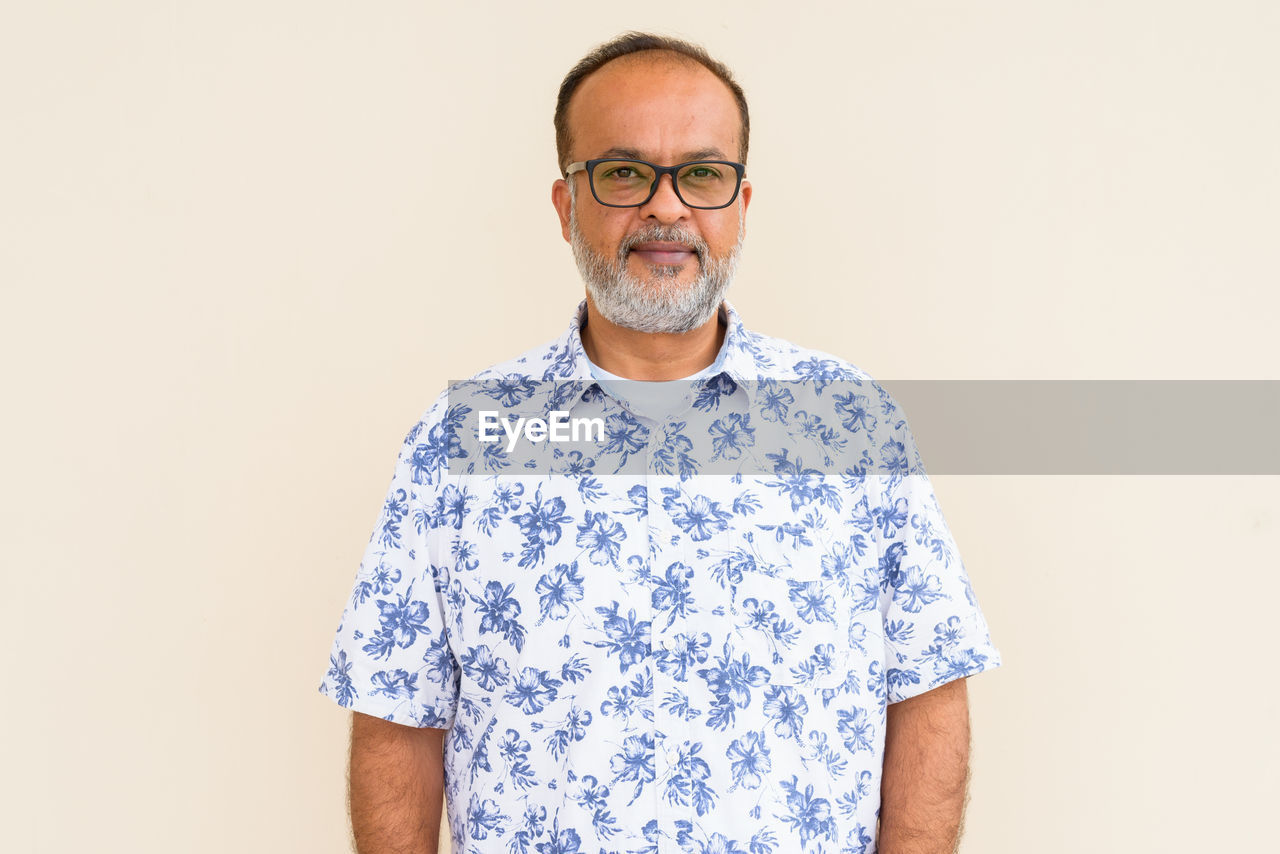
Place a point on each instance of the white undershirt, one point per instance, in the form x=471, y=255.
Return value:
x=652, y=400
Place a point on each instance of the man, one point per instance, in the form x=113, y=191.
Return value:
x=732, y=620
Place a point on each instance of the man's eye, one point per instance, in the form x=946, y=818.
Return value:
x=702, y=173
x=621, y=173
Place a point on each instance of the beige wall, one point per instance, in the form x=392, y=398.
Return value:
x=242, y=245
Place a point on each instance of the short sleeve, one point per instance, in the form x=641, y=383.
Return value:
x=933, y=629
x=391, y=657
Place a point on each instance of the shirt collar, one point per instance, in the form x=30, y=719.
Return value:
x=569, y=362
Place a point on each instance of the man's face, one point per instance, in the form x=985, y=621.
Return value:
x=660, y=267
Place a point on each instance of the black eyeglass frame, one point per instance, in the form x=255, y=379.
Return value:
x=589, y=166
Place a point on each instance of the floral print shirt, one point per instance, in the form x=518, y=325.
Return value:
x=682, y=641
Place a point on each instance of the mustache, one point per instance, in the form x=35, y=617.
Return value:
x=663, y=234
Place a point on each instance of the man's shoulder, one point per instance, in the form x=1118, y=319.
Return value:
x=822, y=379
x=547, y=362
x=778, y=358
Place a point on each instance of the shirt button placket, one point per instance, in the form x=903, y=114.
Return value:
x=659, y=534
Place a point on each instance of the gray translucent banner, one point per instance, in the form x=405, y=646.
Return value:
x=1095, y=426
x=828, y=426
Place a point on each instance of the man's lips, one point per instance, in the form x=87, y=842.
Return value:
x=663, y=252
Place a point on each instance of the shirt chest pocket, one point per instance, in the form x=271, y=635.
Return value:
x=801, y=630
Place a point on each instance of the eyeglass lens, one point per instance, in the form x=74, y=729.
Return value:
x=622, y=182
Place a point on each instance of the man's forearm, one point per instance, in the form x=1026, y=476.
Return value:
x=396, y=787
x=926, y=772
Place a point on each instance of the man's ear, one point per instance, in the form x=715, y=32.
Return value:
x=563, y=202
x=745, y=193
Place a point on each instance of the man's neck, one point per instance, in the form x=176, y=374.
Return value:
x=652, y=356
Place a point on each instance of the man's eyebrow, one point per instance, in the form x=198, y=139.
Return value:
x=700, y=154
x=629, y=153
x=704, y=154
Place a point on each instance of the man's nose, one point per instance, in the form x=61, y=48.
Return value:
x=665, y=206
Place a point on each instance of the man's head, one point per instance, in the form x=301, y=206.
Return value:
x=661, y=266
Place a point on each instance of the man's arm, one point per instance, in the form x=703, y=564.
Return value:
x=926, y=769
x=396, y=786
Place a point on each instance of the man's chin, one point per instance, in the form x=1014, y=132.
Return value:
x=663, y=276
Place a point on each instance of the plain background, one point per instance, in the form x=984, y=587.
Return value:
x=244, y=244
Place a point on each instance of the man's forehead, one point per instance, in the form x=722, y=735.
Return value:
x=650, y=104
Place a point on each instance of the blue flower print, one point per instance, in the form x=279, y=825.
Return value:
x=509, y=389
x=819, y=750
x=676, y=703
x=671, y=592
x=700, y=518
x=484, y=817
x=401, y=621
x=397, y=684
x=431, y=458
x=749, y=760
x=339, y=676
x=393, y=512
x=731, y=436
x=720, y=844
x=959, y=665
x=733, y=678
x=849, y=800
x=811, y=601
x=917, y=590
x=601, y=537
x=688, y=781
x=572, y=728
x=893, y=455
x=618, y=703
x=891, y=516
x=575, y=669
x=855, y=726
x=890, y=565
x=499, y=610
x=591, y=794
x=711, y=391
x=809, y=816
x=627, y=636
x=773, y=401
x=674, y=454
x=927, y=535
x=949, y=632
x=634, y=762
x=821, y=372
x=484, y=668
x=541, y=526
x=802, y=485
x=899, y=679
x=514, y=750
x=451, y=507
x=786, y=708
x=381, y=582
x=855, y=412
x=564, y=841
x=532, y=690
x=842, y=559
x=558, y=589
x=624, y=436
x=685, y=651
x=759, y=614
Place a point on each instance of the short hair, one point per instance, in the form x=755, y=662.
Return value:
x=632, y=43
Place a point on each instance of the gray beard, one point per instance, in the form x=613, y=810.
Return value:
x=662, y=305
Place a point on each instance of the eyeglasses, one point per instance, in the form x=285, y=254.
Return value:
x=622, y=183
